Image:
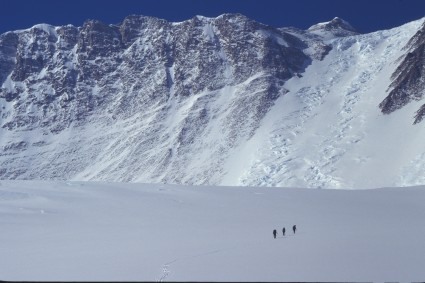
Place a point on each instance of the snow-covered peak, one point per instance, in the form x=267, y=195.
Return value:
x=337, y=27
x=46, y=27
x=49, y=29
x=334, y=23
x=234, y=16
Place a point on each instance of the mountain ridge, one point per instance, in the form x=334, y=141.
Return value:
x=148, y=100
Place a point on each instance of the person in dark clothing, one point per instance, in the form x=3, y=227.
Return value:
x=283, y=231
x=294, y=228
x=274, y=233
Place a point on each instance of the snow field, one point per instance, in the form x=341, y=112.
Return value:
x=84, y=231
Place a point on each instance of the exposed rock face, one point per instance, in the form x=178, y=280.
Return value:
x=62, y=78
x=147, y=59
x=153, y=101
x=408, y=83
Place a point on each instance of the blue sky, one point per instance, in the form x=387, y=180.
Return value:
x=364, y=15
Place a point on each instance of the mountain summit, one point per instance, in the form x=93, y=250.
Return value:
x=220, y=101
x=337, y=27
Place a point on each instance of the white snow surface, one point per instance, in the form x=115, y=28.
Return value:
x=94, y=231
x=328, y=131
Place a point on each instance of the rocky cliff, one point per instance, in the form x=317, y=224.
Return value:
x=154, y=101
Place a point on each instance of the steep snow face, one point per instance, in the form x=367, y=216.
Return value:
x=328, y=131
x=221, y=100
x=146, y=100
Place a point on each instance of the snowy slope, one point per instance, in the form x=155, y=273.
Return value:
x=211, y=101
x=139, y=101
x=327, y=130
x=91, y=231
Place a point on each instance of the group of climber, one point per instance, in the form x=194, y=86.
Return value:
x=294, y=228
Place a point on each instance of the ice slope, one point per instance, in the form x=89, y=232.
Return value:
x=93, y=231
x=327, y=131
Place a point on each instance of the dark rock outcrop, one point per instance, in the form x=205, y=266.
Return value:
x=408, y=82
